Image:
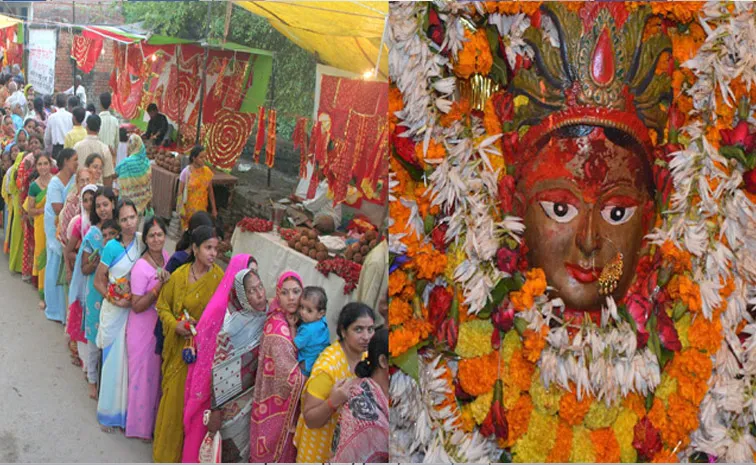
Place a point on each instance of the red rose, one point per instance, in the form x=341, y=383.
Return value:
x=646, y=439
x=496, y=339
x=740, y=135
x=506, y=260
x=749, y=178
x=506, y=193
x=504, y=106
x=503, y=318
x=404, y=147
x=639, y=309
x=438, y=237
x=436, y=31
x=509, y=143
x=667, y=332
x=439, y=303
x=496, y=421
x=676, y=117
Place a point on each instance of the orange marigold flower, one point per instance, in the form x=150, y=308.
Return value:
x=477, y=375
x=408, y=335
x=535, y=283
x=460, y=111
x=679, y=259
x=683, y=288
x=605, y=445
x=521, y=300
x=533, y=343
x=408, y=292
x=683, y=421
x=681, y=12
x=399, y=312
x=571, y=410
x=728, y=287
x=436, y=151
x=691, y=362
x=706, y=334
x=560, y=453
x=400, y=214
x=429, y=262
x=658, y=415
x=518, y=419
x=397, y=281
x=520, y=371
x=665, y=456
x=513, y=7
x=490, y=119
x=635, y=403
x=475, y=56
x=691, y=389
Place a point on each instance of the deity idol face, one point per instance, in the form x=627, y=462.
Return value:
x=585, y=199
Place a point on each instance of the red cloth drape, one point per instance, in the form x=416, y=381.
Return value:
x=86, y=51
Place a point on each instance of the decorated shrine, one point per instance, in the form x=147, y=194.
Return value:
x=573, y=231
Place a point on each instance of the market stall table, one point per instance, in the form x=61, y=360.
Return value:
x=274, y=257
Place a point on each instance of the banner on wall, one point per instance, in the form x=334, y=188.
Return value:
x=41, y=73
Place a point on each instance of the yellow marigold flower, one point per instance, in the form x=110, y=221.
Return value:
x=706, y=335
x=467, y=419
x=545, y=401
x=509, y=345
x=682, y=326
x=560, y=453
x=624, y=432
x=399, y=312
x=455, y=255
x=537, y=442
x=511, y=394
x=480, y=406
x=600, y=415
x=666, y=388
x=474, y=338
x=582, y=446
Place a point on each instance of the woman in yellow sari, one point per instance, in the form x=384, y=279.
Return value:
x=16, y=245
x=35, y=208
x=190, y=288
x=196, y=187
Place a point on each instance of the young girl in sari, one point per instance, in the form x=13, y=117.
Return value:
x=147, y=278
x=180, y=306
x=196, y=187
x=35, y=207
x=77, y=229
x=279, y=382
x=92, y=244
x=57, y=191
x=362, y=433
x=112, y=280
x=328, y=387
x=198, y=395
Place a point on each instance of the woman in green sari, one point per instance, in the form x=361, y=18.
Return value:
x=190, y=288
x=16, y=245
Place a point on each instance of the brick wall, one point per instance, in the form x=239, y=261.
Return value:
x=95, y=82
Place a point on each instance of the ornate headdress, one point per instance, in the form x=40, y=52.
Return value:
x=594, y=67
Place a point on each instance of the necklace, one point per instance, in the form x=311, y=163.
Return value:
x=162, y=259
x=194, y=275
x=128, y=252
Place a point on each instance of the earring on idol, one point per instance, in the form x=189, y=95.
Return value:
x=612, y=273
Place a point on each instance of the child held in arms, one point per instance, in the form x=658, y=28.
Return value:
x=312, y=334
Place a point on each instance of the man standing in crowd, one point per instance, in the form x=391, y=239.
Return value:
x=58, y=125
x=109, y=127
x=79, y=91
x=78, y=133
x=18, y=76
x=158, y=126
x=92, y=144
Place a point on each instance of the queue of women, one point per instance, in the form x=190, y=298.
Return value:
x=174, y=349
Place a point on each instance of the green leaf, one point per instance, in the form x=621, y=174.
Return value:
x=499, y=68
x=649, y=401
x=501, y=290
x=415, y=173
x=408, y=362
x=625, y=315
x=666, y=356
x=429, y=223
x=678, y=310
x=520, y=324
x=426, y=20
x=734, y=152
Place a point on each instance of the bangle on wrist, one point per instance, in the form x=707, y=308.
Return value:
x=330, y=405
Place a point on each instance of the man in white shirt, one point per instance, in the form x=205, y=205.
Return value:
x=17, y=96
x=92, y=144
x=58, y=125
x=109, y=128
x=80, y=91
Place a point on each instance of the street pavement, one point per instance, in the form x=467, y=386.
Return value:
x=45, y=412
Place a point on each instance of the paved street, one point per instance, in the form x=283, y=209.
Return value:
x=45, y=413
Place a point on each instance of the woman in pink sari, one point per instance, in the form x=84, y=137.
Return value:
x=198, y=393
x=279, y=383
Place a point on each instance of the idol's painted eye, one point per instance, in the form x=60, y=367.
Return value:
x=615, y=215
x=560, y=212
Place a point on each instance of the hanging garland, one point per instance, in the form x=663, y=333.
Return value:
x=489, y=369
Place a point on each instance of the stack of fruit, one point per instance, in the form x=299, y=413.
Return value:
x=168, y=161
x=359, y=250
x=307, y=242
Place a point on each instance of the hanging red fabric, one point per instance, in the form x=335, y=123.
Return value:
x=270, y=144
x=86, y=51
x=260, y=140
x=299, y=138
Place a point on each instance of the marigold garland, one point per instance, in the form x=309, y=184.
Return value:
x=477, y=375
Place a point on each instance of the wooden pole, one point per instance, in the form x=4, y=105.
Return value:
x=204, y=73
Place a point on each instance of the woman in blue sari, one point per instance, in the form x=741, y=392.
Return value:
x=57, y=191
x=112, y=279
x=102, y=229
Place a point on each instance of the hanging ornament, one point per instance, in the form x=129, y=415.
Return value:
x=270, y=144
x=260, y=140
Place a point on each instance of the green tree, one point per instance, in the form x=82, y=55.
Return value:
x=292, y=87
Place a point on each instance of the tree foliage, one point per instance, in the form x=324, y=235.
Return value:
x=292, y=87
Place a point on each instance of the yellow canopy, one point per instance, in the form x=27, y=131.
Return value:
x=7, y=21
x=343, y=34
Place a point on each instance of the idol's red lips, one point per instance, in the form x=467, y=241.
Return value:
x=583, y=275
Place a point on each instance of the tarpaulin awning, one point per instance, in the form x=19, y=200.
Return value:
x=112, y=33
x=7, y=21
x=345, y=34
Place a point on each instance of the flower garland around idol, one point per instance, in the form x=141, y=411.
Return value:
x=485, y=368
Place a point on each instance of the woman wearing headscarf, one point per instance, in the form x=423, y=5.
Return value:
x=134, y=174
x=180, y=305
x=72, y=209
x=198, y=395
x=77, y=229
x=279, y=382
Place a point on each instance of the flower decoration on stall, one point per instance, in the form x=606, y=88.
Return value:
x=247, y=224
x=508, y=121
x=348, y=270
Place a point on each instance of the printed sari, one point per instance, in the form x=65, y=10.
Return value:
x=23, y=181
x=16, y=241
x=176, y=296
x=361, y=435
x=135, y=175
x=111, y=337
x=278, y=389
x=198, y=395
x=77, y=290
x=196, y=189
x=92, y=244
x=37, y=197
